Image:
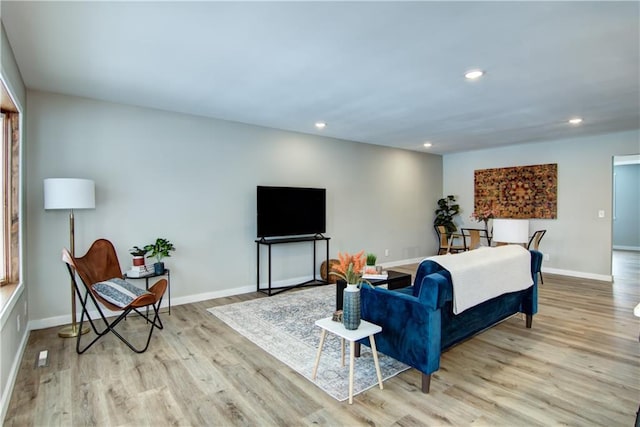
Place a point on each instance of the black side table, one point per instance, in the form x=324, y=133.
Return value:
x=395, y=280
x=167, y=273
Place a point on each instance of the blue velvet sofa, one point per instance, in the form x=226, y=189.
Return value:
x=418, y=323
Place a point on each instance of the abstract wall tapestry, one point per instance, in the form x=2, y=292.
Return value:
x=517, y=192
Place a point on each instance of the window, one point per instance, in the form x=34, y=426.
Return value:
x=9, y=183
x=5, y=138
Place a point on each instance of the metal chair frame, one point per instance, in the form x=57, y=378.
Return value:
x=475, y=236
x=535, y=241
x=445, y=241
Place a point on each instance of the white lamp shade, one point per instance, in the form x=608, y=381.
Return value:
x=510, y=230
x=69, y=193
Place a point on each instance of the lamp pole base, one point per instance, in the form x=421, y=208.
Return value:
x=71, y=331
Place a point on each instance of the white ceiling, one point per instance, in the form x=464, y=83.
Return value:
x=387, y=73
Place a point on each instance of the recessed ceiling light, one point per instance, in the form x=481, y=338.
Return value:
x=473, y=74
x=575, y=120
x=321, y=125
x=427, y=144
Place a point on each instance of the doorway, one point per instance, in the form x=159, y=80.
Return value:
x=625, y=211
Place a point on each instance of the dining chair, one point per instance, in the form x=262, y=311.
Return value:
x=534, y=243
x=102, y=282
x=445, y=241
x=535, y=239
x=474, y=238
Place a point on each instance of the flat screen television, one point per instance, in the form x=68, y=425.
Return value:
x=290, y=211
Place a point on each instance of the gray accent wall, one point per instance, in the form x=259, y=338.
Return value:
x=626, y=222
x=193, y=181
x=578, y=242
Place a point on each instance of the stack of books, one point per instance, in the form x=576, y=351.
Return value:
x=384, y=275
x=140, y=270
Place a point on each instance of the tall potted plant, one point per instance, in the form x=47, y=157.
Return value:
x=159, y=250
x=447, y=209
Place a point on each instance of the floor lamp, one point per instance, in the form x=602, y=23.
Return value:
x=70, y=193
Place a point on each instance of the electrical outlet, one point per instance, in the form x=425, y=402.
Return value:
x=18, y=322
x=386, y=252
x=546, y=257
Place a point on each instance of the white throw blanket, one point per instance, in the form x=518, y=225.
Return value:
x=485, y=273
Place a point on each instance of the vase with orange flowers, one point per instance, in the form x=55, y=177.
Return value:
x=350, y=270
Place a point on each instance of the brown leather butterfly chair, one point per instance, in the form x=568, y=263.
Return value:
x=101, y=279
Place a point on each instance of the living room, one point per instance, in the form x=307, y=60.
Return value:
x=192, y=179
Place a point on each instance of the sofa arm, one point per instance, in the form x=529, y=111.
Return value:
x=410, y=331
x=435, y=290
x=432, y=284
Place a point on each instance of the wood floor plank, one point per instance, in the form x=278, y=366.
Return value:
x=92, y=406
x=50, y=409
x=578, y=365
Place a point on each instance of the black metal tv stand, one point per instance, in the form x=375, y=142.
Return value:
x=277, y=241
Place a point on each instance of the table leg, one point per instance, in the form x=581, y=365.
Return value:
x=374, y=350
x=323, y=333
x=146, y=286
x=351, y=363
x=342, y=349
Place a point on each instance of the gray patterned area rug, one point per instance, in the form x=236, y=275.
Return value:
x=284, y=326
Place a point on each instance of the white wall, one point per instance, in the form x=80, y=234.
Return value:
x=12, y=337
x=578, y=241
x=193, y=180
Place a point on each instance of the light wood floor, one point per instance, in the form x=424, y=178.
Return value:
x=579, y=365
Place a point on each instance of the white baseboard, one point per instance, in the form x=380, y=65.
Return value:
x=580, y=274
x=212, y=295
x=13, y=375
x=570, y=273
x=188, y=299
x=51, y=322
x=626, y=248
x=392, y=264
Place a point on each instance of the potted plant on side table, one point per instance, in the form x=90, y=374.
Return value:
x=159, y=250
x=370, y=267
x=138, y=255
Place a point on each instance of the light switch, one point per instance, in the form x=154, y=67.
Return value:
x=601, y=213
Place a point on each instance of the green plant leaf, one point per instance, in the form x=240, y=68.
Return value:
x=160, y=249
